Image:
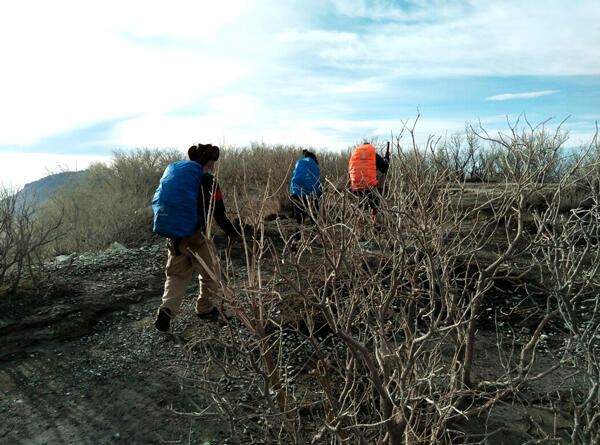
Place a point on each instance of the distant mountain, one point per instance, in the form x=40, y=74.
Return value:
x=39, y=191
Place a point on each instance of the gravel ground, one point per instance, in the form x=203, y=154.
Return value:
x=82, y=363
x=80, y=360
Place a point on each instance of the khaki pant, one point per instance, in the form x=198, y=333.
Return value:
x=197, y=256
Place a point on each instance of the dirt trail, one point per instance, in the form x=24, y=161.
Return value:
x=82, y=363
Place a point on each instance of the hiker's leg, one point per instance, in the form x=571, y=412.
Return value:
x=315, y=202
x=179, y=272
x=362, y=204
x=206, y=263
x=299, y=212
x=373, y=203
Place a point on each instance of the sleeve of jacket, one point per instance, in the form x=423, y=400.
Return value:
x=381, y=163
x=220, y=214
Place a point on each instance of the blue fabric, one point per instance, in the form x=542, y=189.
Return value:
x=306, y=179
x=175, y=202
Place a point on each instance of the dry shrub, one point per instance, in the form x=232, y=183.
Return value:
x=24, y=239
x=385, y=316
x=110, y=203
x=245, y=172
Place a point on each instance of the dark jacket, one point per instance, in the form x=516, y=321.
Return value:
x=210, y=190
x=382, y=164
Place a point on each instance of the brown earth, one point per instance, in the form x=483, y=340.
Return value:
x=80, y=361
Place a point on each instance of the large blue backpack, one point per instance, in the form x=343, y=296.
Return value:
x=175, y=202
x=306, y=179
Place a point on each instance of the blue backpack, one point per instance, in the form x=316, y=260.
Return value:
x=306, y=179
x=175, y=202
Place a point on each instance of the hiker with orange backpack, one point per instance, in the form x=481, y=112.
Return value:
x=363, y=167
x=182, y=207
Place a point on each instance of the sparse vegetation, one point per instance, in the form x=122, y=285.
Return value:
x=23, y=240
x=111, y=203
x=390, y=316
x=477, y=285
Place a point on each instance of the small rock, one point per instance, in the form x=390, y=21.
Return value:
x=62, y=259
x=117, y=246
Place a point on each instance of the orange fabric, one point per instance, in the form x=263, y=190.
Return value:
x=362, y=168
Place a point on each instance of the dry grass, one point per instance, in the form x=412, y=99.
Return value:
x=403, y=299
x=403, y=302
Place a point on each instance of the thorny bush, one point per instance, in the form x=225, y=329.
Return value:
x=368, y=333
x=24, y=239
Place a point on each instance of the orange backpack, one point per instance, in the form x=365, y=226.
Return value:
x=362, y=168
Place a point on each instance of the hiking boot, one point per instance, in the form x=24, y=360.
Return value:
x=163, y=319
x=211, y=315
x=215, y=315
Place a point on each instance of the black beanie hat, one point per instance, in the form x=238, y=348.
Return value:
x=309, y=154
x=203, y=153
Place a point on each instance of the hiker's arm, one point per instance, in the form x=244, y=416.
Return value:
x=381, y=163
x=221, y=216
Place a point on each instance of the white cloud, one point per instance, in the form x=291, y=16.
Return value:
x=369, y=85
x=183, y=18
x=276, y=128
x=240, y=109
x=18, y=169
x=468, y=38
x=530, y=95
x=411, y=10
x=279, y=72
x=69, y=64
x=159, y=130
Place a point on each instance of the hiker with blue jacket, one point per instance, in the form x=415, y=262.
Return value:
x=195, y=254
x=305, y=190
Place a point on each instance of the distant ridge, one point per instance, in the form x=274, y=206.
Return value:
x=37, y=192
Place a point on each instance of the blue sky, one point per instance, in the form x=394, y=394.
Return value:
x=80, y=79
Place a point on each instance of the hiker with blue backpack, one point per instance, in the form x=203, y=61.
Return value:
x=305, y=190
x=186, y=198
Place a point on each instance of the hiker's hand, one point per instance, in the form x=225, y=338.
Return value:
x=231, y=241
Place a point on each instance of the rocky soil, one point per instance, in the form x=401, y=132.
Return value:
x=81, y=363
